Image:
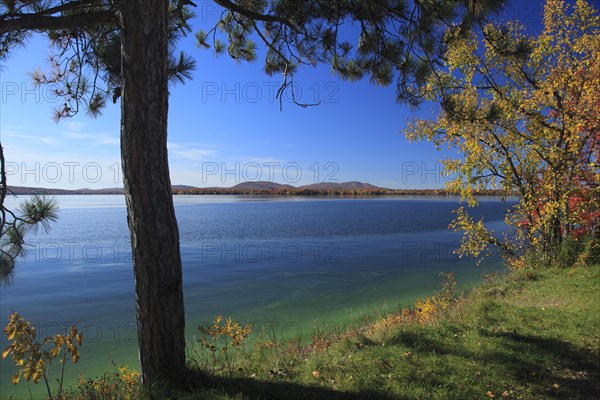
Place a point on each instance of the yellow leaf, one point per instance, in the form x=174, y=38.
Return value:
x=5, y=353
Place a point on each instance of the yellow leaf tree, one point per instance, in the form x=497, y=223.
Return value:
x=523, y=113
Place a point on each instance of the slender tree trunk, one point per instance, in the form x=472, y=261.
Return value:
x=150, y=213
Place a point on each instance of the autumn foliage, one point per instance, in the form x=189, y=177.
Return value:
x=33, y=357
x=523, y=112
x=222, y=338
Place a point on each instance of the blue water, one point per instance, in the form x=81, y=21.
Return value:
x=288, y=263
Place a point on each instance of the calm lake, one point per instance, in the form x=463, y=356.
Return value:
x=284, y=264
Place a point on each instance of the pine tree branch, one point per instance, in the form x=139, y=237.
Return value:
x=39, y=22
x=253, y=14
x=66, y=7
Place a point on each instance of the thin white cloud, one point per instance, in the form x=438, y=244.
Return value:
x=55, y=135
x=18, y=134
x=75, y=126
x=76, y=130
x=93, y=139
x=191, y=152
x=9, y=131
x=263, y=160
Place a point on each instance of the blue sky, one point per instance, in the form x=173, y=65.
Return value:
x=225, y=126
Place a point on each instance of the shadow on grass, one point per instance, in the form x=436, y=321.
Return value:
x=527, y=360
x=531, y=364
x=548, y=361
x=253, y=389
x=198, y=385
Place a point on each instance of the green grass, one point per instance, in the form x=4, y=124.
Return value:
x=528, y=335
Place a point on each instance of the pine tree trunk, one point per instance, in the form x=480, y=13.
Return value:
x=150, y=213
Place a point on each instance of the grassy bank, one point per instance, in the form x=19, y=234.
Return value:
x=533, y=334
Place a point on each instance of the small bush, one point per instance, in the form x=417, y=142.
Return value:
x=34, y=356
x=223, y=339
x=124, y=384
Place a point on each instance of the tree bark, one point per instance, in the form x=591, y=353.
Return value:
x=150, y=212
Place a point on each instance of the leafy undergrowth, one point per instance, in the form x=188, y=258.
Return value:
x=534, y=334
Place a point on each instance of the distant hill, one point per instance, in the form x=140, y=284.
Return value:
x=352, y=188
x=23, y=190
x=261, y=186
x=182, y=187
x=342, y=186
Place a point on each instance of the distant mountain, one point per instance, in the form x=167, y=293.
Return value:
x=261, y=186
x=183, y=187
x=101, y=191
x=352, y=188
x=23, y=190
x=342, y=186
